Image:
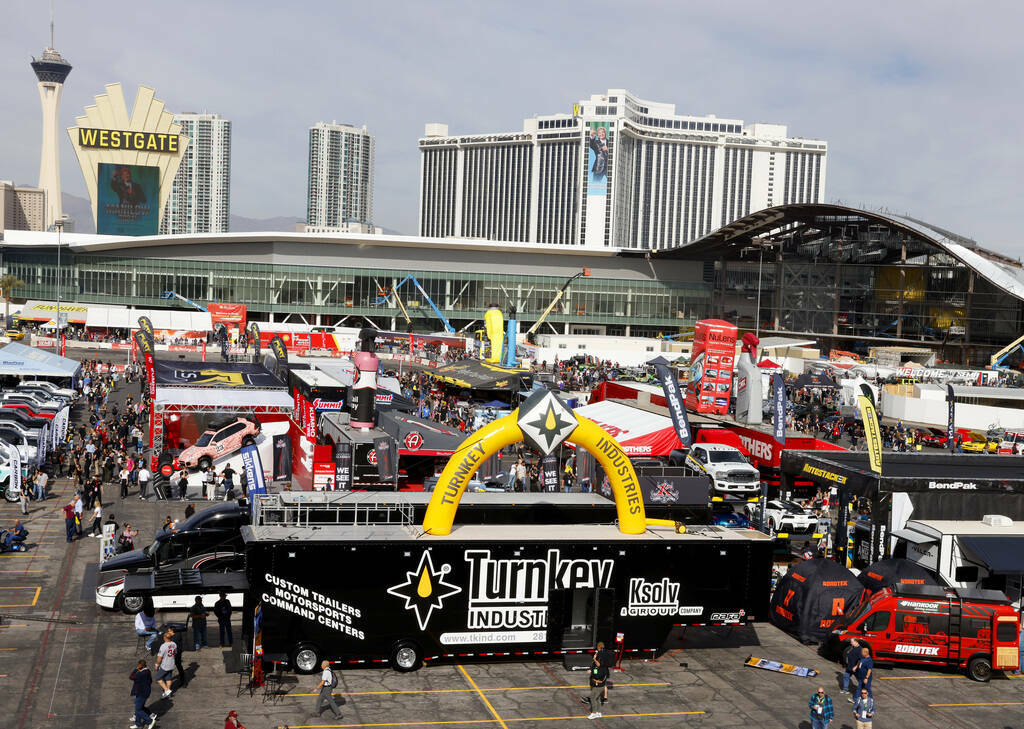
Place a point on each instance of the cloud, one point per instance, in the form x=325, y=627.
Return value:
x=918, y=100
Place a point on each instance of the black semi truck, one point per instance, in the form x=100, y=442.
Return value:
x=390, y=594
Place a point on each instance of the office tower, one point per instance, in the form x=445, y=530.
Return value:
x=617, y=172
x=51, y=70
x=22, y=208
x=340, y=186
x=200, y=199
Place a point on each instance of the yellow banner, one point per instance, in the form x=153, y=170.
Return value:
x=871, y=432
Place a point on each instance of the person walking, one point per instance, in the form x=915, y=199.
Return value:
x=142, y=687
x=598, y=683
x=198, y=615
x=165, y=664
x=852, y=659
x=23, y=498
x=122, y=478
x=143, y=481
x=864, y=710
x=222, y=609
x=69, y=520
x=865, y=671
x=177, y=639
x=822, y=712
x=328, y=682
x=96, y=530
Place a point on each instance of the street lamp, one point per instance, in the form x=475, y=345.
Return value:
x=59, y=225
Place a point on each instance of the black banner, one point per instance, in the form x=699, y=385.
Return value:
x=384, y=447
x=951, y=419
x=279, y=350
x=207, y=374
x=143, y=342
x=676, y=407
x=147, y=326
x=282, y=458
x=779, y=409
x=549, y=472
x=343, y=466
x=254, y=335
x=675, y=490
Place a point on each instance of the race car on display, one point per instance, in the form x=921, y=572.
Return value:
x=729, y=471
x=784, y=517
x=977, y=443
x=933, y=438
x=221, y=439
x=723, y=514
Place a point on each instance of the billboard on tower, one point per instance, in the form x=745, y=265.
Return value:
x=127, y=199
x=599, y=158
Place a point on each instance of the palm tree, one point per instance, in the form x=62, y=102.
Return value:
x=8, y=283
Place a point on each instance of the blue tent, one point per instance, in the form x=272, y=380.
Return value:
x=19, y=359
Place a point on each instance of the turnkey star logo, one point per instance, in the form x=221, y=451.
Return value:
x=425, y=589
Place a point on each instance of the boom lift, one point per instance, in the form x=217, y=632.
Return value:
x=558, y=297
x=386, y=295
x=999, y=357
x=173, y=295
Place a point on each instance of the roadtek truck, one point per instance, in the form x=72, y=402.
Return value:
x=392, y=594
x=971, y=629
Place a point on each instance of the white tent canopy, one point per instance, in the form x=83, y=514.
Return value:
x=20, y=359
x=125, y=318
x=221, y=398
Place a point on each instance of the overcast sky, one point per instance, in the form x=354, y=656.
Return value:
x=919, y=101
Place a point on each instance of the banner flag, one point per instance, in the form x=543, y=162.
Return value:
x=385, y=449
x=253, y=467
x=15, y=465
x=779, y=408
x=871, y=432
x=254, y=335
x=282, y=457
x=951, y=419
x=41, y=445
x=146, y=325
x=676, y=408
x=343, y=466
x=549, y=472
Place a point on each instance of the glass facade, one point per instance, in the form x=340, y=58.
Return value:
x=333, y=292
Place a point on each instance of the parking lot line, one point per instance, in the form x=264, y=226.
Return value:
x=10, y=555
x=35, y=599
x=454, y=722
x=983, y=703
x=485, y=690
x=483, y=697
x=21, y=572
x=909, y=678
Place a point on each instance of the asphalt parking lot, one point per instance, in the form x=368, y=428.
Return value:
x=75, y=675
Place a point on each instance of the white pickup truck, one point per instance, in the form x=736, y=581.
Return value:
x=729, y=471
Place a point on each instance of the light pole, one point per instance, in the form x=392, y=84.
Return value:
x=59, y=225
x=757, y=312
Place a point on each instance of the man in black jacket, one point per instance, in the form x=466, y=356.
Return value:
x=222, y=609
x=142, y=686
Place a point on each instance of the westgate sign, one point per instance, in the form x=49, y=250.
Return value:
x=127, y=139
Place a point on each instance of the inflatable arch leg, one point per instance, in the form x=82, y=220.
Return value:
x=487, y=441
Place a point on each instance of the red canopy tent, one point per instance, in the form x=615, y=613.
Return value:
x=639, y=432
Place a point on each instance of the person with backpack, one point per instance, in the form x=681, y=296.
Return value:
x=328, y=682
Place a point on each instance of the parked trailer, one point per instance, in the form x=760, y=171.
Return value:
x=390, y=594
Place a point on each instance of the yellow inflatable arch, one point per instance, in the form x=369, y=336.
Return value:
x=487, y=441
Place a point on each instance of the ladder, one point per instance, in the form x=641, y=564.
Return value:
x=331, y=509
x=955, y=614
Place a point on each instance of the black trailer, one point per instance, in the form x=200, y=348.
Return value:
x=390, y=594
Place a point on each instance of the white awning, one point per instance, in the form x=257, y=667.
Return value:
x=222, y=397
x=119, y=317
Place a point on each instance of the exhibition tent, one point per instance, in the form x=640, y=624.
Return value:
x=22, y=360
x=889, y=572
x=639, y=432
x=811, y=596
x=476, y=375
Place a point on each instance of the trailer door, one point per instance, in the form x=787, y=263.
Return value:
x=577, y=616
x=1004, y=642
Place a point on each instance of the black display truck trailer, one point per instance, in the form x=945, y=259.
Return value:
x=392, y=594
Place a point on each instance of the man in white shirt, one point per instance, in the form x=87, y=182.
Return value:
x=96, y=530
x=165, y=664
x=144, y=475
x=146, y=625
x=79, y=509
x=328, y=682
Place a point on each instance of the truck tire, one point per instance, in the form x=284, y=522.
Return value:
x=248, y=441
x=406, y=656
x=131, y=605
x=305, y=658
x=979, y=668
x=204, y=462
x=11, y=495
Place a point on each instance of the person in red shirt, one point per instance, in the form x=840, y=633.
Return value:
x=232, y=722
x=69, y=521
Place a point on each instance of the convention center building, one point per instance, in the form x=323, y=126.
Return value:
x=850, y=278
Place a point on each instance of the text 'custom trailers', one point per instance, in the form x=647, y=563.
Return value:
x=391, y=594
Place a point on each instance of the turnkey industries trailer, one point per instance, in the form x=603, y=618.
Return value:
x=393, y=594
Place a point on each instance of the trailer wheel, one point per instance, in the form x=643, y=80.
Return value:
x=305, y=659
x=406, y=656
x=980, y=668
x=132, y=604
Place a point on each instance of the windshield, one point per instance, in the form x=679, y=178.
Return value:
x=791, y=507
x=845, y=621
x=204, y=439
x=151, y=549
x=726, y=457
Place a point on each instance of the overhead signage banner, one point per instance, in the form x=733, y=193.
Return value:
x=227, y=314
x=208, y=374
x=127, y=199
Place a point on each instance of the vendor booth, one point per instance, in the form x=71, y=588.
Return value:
x=478, y=376
x=917, y=486
x=20, y=360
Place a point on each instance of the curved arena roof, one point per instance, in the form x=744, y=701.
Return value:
x=999, y=270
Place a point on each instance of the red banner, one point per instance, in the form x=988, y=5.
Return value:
x=63, y=340
x=150, y=378
x=298, y=411
x=227, y=314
